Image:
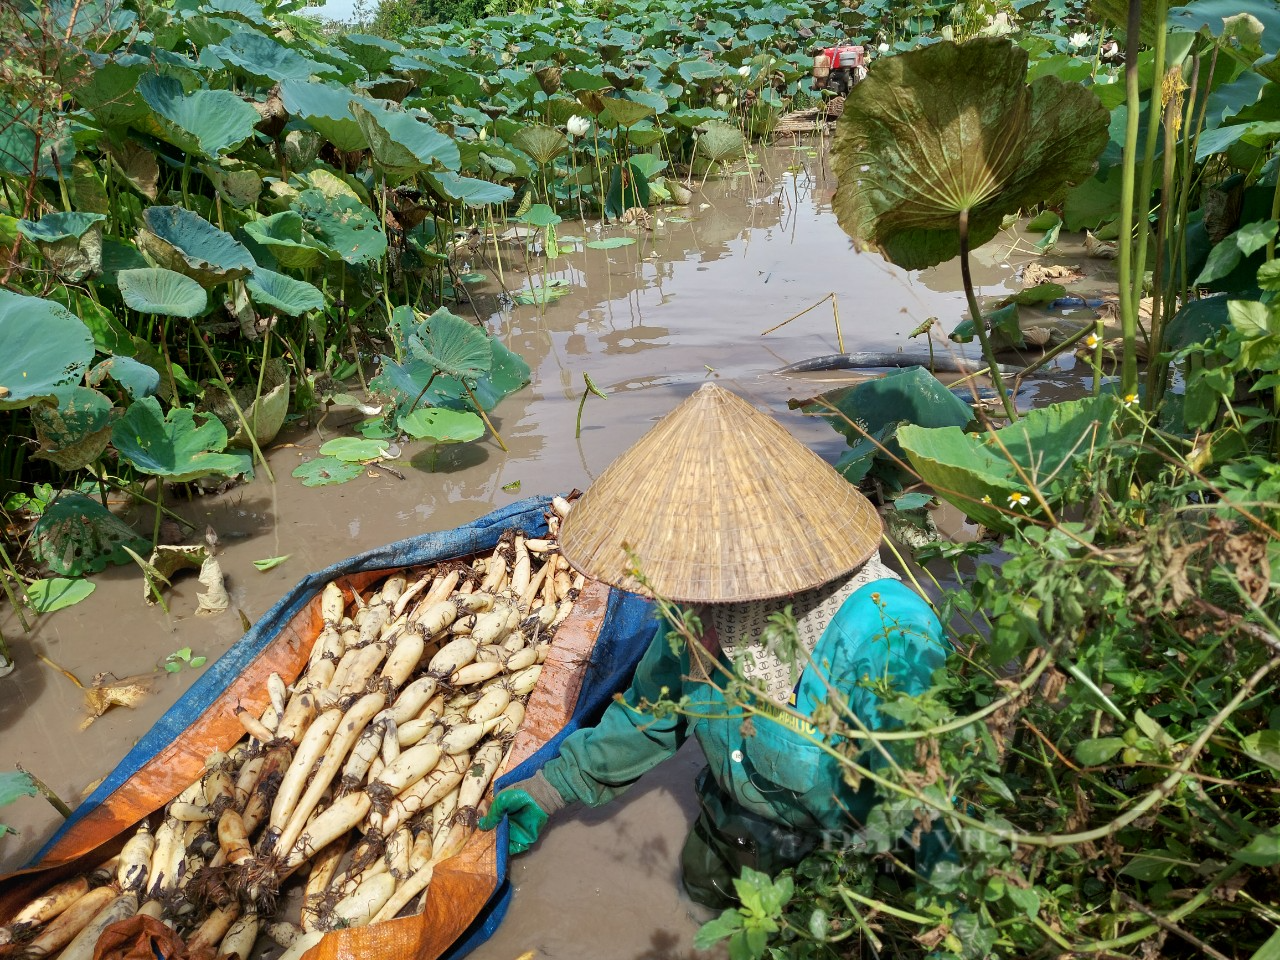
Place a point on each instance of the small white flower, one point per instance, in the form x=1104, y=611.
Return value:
x=1130, y=399
x=1091, y=341
x=1018, y=500
x=865, y=167
x=883, y=48
x=484, y=134
x=744, y=71
x=1078, y=41
x=578, y=126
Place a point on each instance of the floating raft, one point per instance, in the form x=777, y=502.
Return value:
x=592, y=655
x=801, y=122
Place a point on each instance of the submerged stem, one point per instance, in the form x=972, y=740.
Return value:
x=979, y=324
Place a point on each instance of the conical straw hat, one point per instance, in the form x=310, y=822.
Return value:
x=719, y=504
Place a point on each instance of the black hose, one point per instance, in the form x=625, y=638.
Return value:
x=939, y=362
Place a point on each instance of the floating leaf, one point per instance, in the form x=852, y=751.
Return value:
x=270, y=563
x=160, y=291
x=323, y=471
x=35, y=368
x=184, y=241
x=103, y=695
x=76, y=535
x=174, y=446
x=15, y=784
x=948, y=128
x=611, y=243
x=440, y=425
x=57, y=593
x=541, y=294
x=354, y=449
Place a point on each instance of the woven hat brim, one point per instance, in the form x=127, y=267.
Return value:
x=719, y=504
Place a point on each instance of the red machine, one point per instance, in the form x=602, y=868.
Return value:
x=839, y=68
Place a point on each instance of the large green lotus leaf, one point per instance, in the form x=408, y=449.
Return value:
x=92, y=24
x=173, y=446
x=75, y=432
x=721, y=141
x=184, y=241
x=468, y=190
x=453, y=346
x=203, y=122
x=265, y=61
x=442, y=426
x=401, y=143
x=110, y=90
x=953, y=127
x=71, y=243
x=160, y=291
x=43, y=348
x=289, y=296
x=282, y=235
x=326, y=109
x=507, y=374
x=1249, y=25
x=324, y=471
x=980, y=472
x=344, y=224
x=22, y=129
x=626, y=112
x=541, y=142
x=372, y=53
x=76, y=535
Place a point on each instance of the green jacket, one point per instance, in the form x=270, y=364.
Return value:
x=771, y=767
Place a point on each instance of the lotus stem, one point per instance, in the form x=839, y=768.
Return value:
x=46, y=791
x=14, y=601
x=253, y=439
x=1128, y=300
x=484, y=416
x=980, y=324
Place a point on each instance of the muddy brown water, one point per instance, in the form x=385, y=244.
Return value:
x=649, y=323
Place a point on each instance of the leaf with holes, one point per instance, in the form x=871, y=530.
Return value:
x=76, y=535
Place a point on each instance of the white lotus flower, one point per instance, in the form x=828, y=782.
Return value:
x=744, y=71
x=1078, y=41
x=883, y=48
x=578, y=126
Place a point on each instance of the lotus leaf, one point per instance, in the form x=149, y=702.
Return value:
x=284, y=293
x=282, y=235
x=43, y=348
x=265, y=61
x=628, y=188
x=326, y=109
x=15, y=784
x=138, y=379
x=953, y=128
x=181, y=240
x=71, y=243
x=95, y=24
x=29, y=136
x=163, y=292
x=721, y=141
x=1253, y=25
x=978, y=473
x=237, y=183
x=452, y=346
x=541, y=142
x=136, y=165
x=624, y=112
x=77, y=535
x=469, y=191
x=611, y=243
x=344, y=224
x=354, y=449
x=323, y=471
x=372, y=53
x=57, y=593
x=174, y=446
x=203, y=122
x=110, y=90
x=402, y=144
x=540, y=215
x=443, y=426
x=265, y=412
x=118, y=255
x=75, y=432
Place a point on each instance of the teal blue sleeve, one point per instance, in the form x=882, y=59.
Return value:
x=598, y=763
x=887, y=633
